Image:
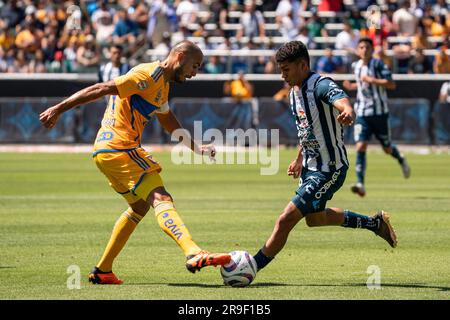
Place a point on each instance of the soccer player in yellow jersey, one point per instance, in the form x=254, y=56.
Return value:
x=131, y=171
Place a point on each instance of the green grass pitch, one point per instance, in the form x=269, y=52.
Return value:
x=57, y=210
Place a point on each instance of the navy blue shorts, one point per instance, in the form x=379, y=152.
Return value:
x=376, y=125
x=316, y=188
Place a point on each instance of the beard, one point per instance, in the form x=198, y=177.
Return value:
x=178, y=75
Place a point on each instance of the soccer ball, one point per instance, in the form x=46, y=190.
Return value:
x=240, y=271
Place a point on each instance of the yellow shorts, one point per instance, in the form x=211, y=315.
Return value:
x=133, y=173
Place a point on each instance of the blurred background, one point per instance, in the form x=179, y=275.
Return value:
x=50, y=49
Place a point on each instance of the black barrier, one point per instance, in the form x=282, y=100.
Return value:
x=426, y=122
x=19, y=120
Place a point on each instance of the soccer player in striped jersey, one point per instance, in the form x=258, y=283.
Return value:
x=321, y=109
x=373, y=77
x=132, y=172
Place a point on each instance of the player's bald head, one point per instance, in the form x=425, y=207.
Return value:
x=188, y=48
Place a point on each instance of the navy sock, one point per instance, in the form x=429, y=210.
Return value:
x=396, y=154
x=261, y=259
x=356, y=220
x=360, y=166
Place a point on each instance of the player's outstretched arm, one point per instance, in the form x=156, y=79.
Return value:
x=50, y=116
x=386, y=83
x=346, y=115
x=170, y=123
x=349, y=86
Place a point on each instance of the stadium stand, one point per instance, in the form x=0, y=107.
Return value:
x=38, y=36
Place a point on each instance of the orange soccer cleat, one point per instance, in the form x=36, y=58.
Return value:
x=204, y=258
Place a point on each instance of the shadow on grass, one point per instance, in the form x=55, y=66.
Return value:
x=275, y=284
x=7, y=267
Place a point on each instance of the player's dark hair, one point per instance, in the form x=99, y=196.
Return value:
x=366, y=40
x=292, y=51
x=118, y=47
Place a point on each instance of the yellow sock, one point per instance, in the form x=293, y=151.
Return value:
x=122, y=230
x=171, y=223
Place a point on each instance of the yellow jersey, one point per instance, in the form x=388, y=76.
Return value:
x=142, y=93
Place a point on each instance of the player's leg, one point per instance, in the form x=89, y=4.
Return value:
x=170, y=222
x=118, y=167
x=122, y=230
x=362, y=134
x=287, y=220
x=383, y=134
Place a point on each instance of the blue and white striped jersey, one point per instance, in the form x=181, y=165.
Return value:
x=321, y=135
x=371, y=99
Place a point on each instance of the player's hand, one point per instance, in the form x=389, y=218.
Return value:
x=367, y=79
x=295, y=168
x=346, y=117
x=209, y=150
x=49, y=117
x=347, y=85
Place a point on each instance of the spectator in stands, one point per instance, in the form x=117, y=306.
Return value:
x=70, y=63
x=362, y=5
x=163, y=48
x=252, y=22
x=329, y=63
x=441, y=60
x=315, y=26
x=420, y=40
x=347, y=40
x=357, y=21
x=241, y=91
x=441, y=8
x=405, y=22
x=162, y=20
x=286, y=26
x=271, y=66
x=138, y=12
x=3, y=62
x=88, y=55
x=380, y=53
x=7, y=38
x=37, y=63
x=114, y=67
x=214, y=66
x=304, y=37
x=102, y=22
x=20, y=63
x=186, y=11
x=29, y=37
x=330, y=5
x=420, y=63
x=291, y=9
x=444, y=94
x=126, y=30
x=12, y=13
x=402, y=55
x=437, y=28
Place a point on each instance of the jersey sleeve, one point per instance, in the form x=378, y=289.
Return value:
x=134, y=82
x=328, y=91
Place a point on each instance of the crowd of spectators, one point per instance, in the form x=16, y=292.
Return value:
x=76, y=36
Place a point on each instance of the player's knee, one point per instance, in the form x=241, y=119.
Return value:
x=159, y=195
x=313, y=220
x=387, y=150
x=141, y=207
x=361, y=147
x=287, y=220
